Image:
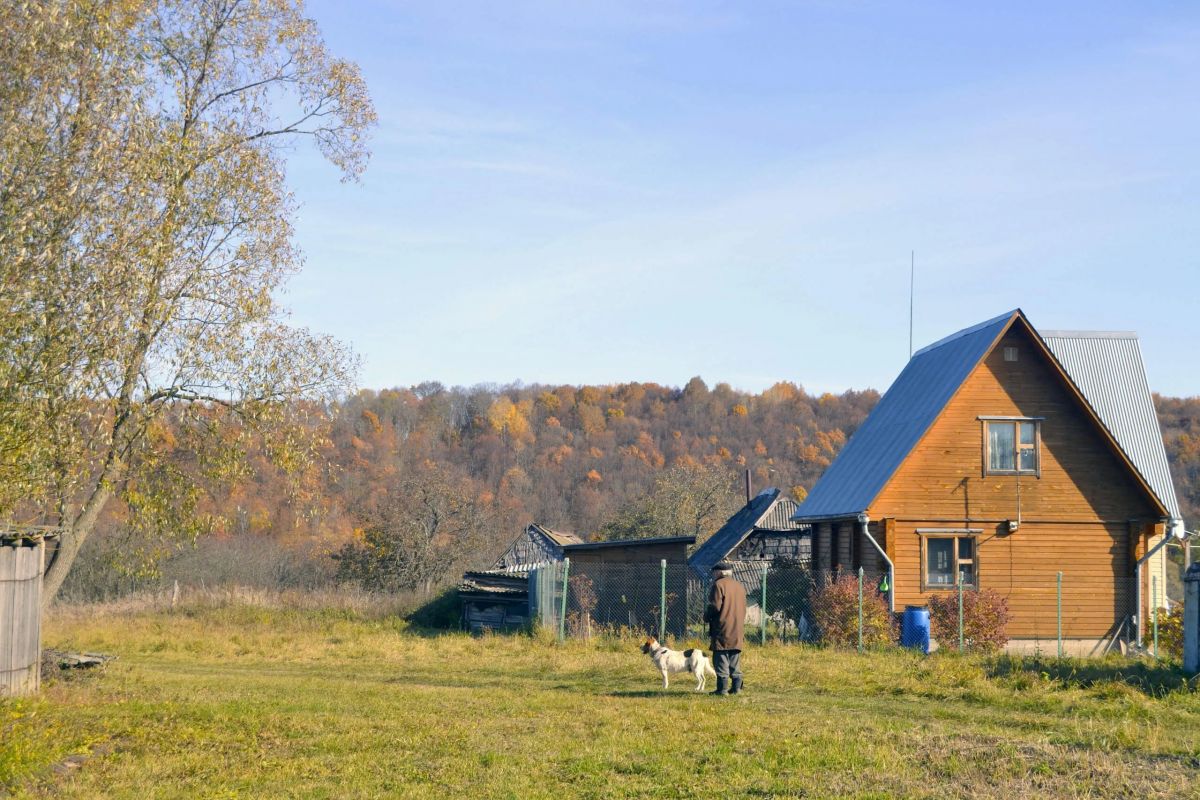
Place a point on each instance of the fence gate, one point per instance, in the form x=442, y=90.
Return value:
x=21, y=562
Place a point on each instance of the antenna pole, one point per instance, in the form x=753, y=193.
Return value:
x=912, y=276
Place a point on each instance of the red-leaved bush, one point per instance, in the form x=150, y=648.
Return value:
x=835, y=611
x=985, y=619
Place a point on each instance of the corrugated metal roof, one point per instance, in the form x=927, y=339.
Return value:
x=779, y=517
x=767, y=511
x=898, y=422
x=1107, y=368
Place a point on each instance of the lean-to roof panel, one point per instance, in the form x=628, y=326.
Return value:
x=1108, y=370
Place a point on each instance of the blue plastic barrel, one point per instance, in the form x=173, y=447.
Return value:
x=914, y=628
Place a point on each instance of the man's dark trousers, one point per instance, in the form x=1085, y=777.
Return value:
x=728, y=664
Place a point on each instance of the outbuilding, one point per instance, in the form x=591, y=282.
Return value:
x=22, y=559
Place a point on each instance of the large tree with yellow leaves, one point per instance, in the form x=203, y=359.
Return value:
x=144, y=235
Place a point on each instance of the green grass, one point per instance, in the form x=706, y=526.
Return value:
x=251, y=701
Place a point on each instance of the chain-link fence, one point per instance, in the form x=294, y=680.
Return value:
x=1049, y=614
x=783, y=603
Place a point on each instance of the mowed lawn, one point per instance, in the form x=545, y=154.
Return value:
x=239, y=700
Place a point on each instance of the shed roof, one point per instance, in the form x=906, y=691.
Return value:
x=560, y=538
x=768, y=511
x=493, y=583
x=685, y=540
x=34, y=533
x=1105, y=368
x=899, y=420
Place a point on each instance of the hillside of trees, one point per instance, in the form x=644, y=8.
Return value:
x=409, y=486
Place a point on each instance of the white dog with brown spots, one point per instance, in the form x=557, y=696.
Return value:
x=670, y=661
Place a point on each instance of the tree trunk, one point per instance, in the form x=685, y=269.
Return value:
x=70, y=542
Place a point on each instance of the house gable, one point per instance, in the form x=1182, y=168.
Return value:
x=1084, y=475
x=907, y=413
x=897, y=424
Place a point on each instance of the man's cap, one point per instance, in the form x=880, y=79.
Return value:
x=723, y=566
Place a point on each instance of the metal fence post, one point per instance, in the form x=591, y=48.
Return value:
x=860, y=621
x=1154, y=600
x=662, y=604
x=960, y=613
x=764, y=604
x=562, y=614
x=1058, y=596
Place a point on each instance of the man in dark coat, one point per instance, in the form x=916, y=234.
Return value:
x=726, y=618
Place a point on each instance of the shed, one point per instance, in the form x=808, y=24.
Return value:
x=494, y=600
x=761, y=531
x=620, y=583
x=498, y=598
x=672, y=549
x=537, y=544
x=22, y=559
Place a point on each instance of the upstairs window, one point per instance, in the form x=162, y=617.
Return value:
x=1011, y=446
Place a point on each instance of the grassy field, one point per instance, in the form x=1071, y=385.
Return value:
x=237, y=699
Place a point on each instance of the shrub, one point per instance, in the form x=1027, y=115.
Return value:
x=985, y=619
x=835, y=611
x=1170, y=632
x=790, y=594
x=583, y=601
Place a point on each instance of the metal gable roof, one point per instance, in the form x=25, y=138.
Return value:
x=1107, y=369
x=898, y=422
x=767, y=511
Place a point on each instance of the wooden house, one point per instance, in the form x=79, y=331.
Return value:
x=1003, y=456
x=762, y=531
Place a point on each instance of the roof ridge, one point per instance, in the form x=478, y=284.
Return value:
x=1088, y=334
x=966, y=332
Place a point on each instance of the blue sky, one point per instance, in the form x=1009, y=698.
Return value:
x=603, y=192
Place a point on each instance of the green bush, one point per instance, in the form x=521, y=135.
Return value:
x=985, y=619
x=1170, y=632
x=835, y=611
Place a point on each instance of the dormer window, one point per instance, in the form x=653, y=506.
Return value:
x=1011, y=446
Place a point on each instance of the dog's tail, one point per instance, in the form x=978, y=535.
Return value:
x=708, y=667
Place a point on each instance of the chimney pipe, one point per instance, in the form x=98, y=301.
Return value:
x=748, y=495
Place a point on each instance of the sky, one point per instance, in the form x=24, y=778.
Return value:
x=602, y=192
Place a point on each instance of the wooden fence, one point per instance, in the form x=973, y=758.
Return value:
x=21, y=560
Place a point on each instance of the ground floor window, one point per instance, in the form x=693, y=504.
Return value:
x=946, y=558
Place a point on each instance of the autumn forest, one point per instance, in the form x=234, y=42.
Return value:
x=407, y=487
